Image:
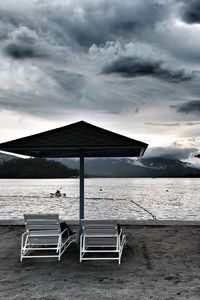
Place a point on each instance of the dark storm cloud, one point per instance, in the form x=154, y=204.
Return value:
x=190, y=107
x=170, y=152
x=191, y=11
x=67, y=80
x=162, y=124
x=23, y=43
x=96, y=22
x=20, y=51
x=128, y=38
x=88, y=22
x=174, y=124
x=135, y=66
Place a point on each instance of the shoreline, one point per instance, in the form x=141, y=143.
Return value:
x=16, y=222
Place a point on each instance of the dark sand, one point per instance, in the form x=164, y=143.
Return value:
x=158, y=263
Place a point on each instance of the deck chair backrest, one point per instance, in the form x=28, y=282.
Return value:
x=42, y=222
x=99, y=227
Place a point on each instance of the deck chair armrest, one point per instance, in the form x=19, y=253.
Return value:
x=120, y=234
x=81, y=238
x=66, y=229
x=24, y=235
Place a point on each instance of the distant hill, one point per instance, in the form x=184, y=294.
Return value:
x=163, y=167
x=35, y=168
x=143, y=167
x=97, y=167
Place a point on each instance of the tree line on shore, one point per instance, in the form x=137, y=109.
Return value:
x=112, y=168
x=35, y=168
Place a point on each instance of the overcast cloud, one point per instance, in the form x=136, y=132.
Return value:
x=129, y=66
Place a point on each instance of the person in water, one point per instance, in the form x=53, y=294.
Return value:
x=58, y=193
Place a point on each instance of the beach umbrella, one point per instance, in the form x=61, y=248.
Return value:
x=79, y=139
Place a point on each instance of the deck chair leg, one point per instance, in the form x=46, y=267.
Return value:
x=23, y=243
x=119, y=259
x=59, y=255
x=81, y=247
x=58, y=249
x=21, y=258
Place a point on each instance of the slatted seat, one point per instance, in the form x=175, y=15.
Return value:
x=103, y=237
x=43, y=233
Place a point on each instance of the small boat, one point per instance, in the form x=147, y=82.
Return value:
x=57, y=194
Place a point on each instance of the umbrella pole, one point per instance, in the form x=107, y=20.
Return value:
x=81, y=215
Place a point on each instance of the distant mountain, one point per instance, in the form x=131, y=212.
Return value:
x=99, y=167
x=143, y=167
x=35, y=168
x=163, y=167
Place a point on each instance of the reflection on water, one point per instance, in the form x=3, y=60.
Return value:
x=172, y=199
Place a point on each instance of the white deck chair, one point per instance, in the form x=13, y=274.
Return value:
x=43, y=233
x=102, y=237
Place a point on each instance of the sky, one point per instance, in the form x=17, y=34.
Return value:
x=130, y=66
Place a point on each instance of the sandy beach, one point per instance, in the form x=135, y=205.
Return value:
x=159, y=262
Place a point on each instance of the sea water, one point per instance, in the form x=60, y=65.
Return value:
x=120, y=198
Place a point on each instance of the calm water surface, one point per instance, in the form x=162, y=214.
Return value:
x=141, y=199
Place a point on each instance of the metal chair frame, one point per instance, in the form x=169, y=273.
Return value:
x=43, y=233
x=106, y=234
